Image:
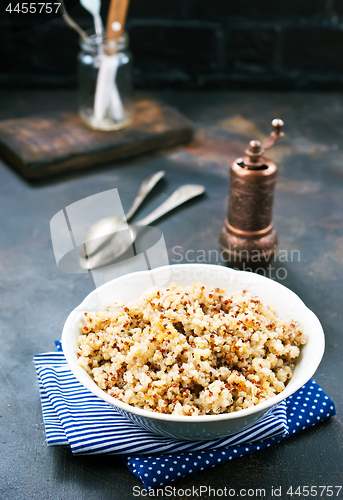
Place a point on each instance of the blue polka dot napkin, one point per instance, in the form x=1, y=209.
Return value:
x=305, y=408
x=74, y=417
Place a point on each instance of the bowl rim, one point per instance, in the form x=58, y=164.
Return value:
x=84, y=378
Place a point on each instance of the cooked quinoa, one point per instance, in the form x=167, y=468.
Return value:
x=190, y=351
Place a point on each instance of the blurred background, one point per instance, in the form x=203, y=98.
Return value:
x=194, y=44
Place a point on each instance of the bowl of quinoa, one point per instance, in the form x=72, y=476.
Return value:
x=202, y=352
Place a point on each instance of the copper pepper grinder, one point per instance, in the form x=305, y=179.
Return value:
x=248, y=237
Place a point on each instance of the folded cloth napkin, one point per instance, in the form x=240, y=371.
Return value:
x=74, y=417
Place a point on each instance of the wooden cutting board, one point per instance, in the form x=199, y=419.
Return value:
x=48, y=144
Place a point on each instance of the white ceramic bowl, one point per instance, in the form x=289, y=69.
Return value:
x=129, y=287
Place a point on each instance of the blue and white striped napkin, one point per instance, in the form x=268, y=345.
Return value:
x=74, y=417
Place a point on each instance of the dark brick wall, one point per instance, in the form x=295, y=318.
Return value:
x=292, y=44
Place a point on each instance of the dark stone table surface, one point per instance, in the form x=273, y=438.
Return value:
x=36, y=296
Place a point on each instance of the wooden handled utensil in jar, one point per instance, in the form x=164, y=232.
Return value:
x=107, y=97
x=115, y=24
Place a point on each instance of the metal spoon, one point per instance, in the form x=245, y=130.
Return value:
x=72, y=23
x=102, y=231
x=126, y=235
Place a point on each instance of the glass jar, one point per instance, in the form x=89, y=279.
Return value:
x=105, y=83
